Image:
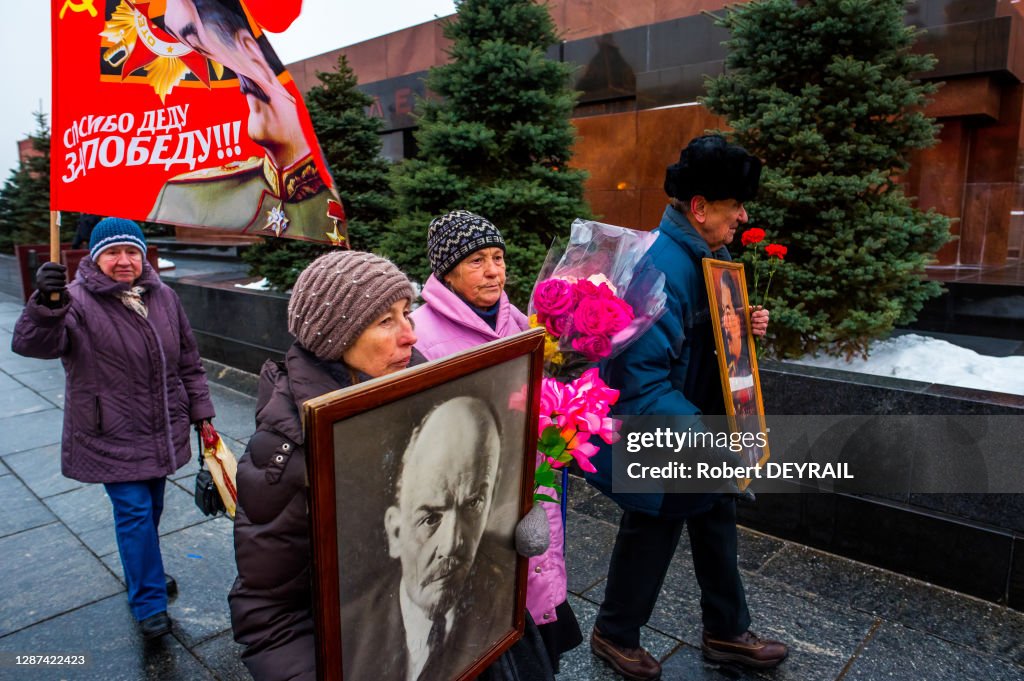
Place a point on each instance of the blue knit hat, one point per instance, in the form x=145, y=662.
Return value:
x=115, y=232
x=454, y=235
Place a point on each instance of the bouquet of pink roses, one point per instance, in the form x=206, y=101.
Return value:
x=585, y=315
x=592, y=299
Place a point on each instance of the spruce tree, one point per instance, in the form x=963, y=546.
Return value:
x=496, y=140
x=25, y=197
x=826, y=93
x=350, y=140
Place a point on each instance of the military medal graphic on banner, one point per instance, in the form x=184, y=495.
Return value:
x=187, y=117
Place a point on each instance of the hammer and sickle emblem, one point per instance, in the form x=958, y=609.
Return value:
x=76, y=7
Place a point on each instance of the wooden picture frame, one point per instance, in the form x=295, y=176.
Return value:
x=737, y=359
x=375, y=468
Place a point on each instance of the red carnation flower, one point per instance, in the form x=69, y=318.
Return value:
x=775, y=251
x=754, y=235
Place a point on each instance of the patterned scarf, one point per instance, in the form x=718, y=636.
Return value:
x=132, y=299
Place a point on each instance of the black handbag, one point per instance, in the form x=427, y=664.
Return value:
x=207, y=497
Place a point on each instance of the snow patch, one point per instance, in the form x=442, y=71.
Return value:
x=260, y=285
x=920, y=358
x=164, y=264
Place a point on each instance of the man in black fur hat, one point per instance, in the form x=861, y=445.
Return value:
x=672, y=370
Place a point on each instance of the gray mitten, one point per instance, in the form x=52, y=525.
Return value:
x=532, y=534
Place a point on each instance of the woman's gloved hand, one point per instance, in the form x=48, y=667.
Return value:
x=532, y=533
x=52, y=278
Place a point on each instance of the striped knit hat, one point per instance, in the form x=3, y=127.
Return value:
x=338, y=296
x=454, y=235
x=110, y=232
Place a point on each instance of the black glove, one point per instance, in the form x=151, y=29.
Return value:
x=52, y=278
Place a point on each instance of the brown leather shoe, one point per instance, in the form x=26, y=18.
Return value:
x=633, y=663
x=747, y=649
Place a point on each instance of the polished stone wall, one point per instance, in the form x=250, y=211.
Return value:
x=10, y=276
x=968, y=542
x=236, y=327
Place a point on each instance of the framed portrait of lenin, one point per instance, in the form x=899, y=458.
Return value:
x=417, y=481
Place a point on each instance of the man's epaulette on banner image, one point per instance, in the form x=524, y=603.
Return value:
x=231, y=169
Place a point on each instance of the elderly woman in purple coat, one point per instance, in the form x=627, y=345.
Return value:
x=465, y=305
x=133, y=386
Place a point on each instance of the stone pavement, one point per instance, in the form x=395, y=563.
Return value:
x=62, y=593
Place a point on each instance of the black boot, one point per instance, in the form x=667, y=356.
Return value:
x=155, y=626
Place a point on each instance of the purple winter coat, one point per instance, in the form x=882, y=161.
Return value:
x=133, y=385
x=446, y=325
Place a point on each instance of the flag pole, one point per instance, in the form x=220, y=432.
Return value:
x=54, y=236
x=55, y=244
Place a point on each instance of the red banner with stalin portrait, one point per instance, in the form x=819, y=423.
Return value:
x=178, y=111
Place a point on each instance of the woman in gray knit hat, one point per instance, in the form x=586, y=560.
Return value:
x=349, y=313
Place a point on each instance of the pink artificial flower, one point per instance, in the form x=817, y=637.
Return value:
x=579, y=410
x=574, y=437
x=597, y=395
x=553, y=297
x=582, y=454
x=554, y=399
x=609, y=431
x=592, y=400
x=593, y=348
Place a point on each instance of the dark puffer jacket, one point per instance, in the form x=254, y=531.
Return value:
x=271, y=600
x=133, y=385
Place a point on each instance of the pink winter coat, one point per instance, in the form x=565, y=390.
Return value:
x=445, y=324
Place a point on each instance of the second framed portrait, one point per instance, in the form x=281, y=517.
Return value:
x=417, y=482
x=737, y=355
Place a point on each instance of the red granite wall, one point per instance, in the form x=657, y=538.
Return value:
x=973, y=174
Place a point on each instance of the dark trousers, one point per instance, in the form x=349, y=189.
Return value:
x=643, y=552
x=137, y=509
